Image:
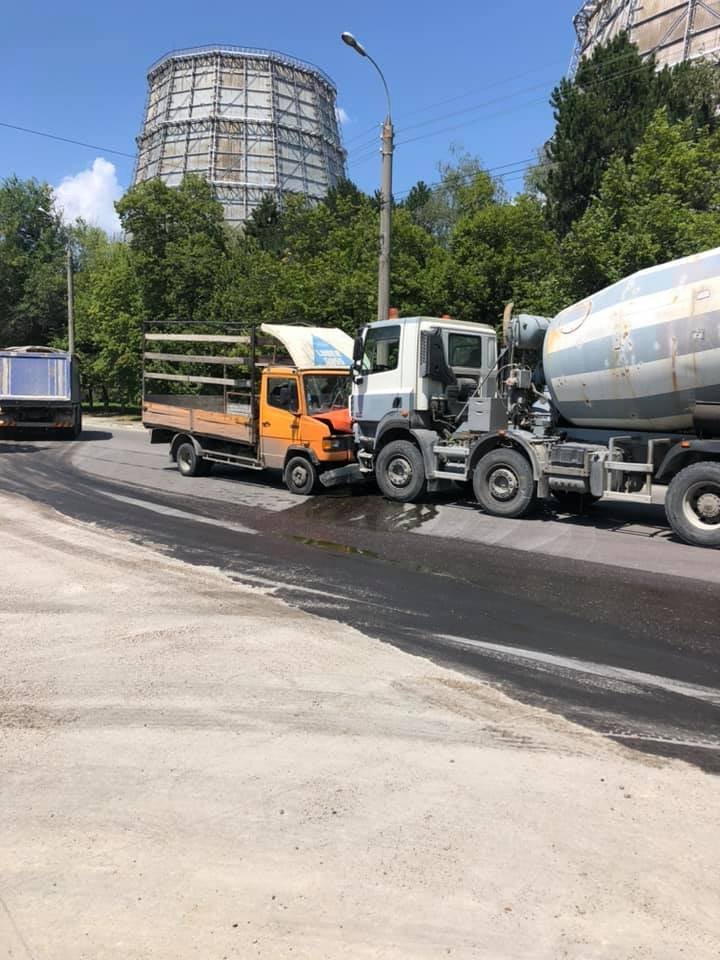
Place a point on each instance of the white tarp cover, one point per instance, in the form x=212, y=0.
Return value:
x=311, y=347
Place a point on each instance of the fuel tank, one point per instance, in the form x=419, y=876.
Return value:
x=642, y=353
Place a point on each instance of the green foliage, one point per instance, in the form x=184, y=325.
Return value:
x=464, y=187
x=109, y=320
x=662, y=204
x=603, y=114
x=502, y=252
x=33, y=305
x=177, y=237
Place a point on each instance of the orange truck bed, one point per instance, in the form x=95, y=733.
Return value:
x=236, y=427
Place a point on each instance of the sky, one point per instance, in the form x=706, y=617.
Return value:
x=464, y=76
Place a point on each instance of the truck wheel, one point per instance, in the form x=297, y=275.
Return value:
x=503, y=483
x=400, y=471
x=692, y=504
x=300, y=476
x=77, y=428
x=190, y=464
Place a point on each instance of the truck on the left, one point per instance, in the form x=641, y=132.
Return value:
x=39, y=391
x=268, y=397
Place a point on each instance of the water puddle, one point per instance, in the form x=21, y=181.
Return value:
x=333, y=547
x=374, y=512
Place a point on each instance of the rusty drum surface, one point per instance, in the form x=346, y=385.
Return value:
x=641, y=353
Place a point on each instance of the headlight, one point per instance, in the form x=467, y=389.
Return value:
x=333, y=444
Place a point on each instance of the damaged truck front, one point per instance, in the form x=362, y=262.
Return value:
x=273, y=397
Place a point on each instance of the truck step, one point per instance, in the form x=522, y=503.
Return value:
x=247, y=462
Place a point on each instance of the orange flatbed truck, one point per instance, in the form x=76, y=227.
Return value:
x=279, y=401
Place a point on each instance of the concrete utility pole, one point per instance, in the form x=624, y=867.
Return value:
x=70, y=288
x=70, y=300
x=387, y=142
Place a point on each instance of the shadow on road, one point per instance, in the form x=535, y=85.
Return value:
x=20, y=448
x=33, y=438
x=95, y=435
x=366, y=506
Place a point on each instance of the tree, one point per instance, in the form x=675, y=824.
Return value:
x=464, y=186
x=108, y=323
x=32, y=264
x=662, y=204
x=603, y=113
x=600, y=114
x=503, y=251
x=178, y=239
x=264, y=224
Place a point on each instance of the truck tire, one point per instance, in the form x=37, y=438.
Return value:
x=692, y=504
x=400, y=472
x=189, y=461
x=77, y=428
x=503, y=483
x=300, y=476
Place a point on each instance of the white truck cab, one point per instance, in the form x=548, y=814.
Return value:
x=412, y=377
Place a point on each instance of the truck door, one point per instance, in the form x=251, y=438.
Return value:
x=380, y=391
x=279, y=418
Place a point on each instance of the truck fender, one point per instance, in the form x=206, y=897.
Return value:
x=183, y=438
x=390, y=422
x=516, y=440
x=302, y=452
x=678, y=456
x=400, y=428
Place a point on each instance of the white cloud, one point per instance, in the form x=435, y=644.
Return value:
x=90, y=195
x=342, y=115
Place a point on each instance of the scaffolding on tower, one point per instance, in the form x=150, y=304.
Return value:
x=672, y=30
x=252, y=122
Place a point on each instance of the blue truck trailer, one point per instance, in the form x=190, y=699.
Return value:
x=39, y=391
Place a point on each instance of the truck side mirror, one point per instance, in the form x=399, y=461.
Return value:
x=358, y=351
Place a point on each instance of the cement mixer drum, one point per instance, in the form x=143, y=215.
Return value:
x=642, y=353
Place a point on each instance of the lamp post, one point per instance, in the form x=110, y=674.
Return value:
x=385, y=188
x=70, y=289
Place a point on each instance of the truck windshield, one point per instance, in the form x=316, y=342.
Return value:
x=326, y=391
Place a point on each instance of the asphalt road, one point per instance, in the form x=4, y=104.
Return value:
x=606, y=621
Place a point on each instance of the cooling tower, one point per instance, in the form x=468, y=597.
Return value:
x=250, y=121
x=674, y=30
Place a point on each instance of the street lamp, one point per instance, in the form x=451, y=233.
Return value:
x=386, y=141
x=70, y=290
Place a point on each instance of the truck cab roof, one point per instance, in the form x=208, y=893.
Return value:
x=41, y=351
x=427, y=322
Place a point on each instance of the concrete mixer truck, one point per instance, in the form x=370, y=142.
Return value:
x=615, y=395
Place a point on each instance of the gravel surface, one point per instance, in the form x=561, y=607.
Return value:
x=193, y=769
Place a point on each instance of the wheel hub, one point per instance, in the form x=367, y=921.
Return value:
x=399, y=472
x=701, y=505
x=299, y=475
x=708, y=507
x=503, y=484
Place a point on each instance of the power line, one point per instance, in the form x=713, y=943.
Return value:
x=433, y=133
x=516, y=93
x=77, y=143
x=461, y=96
x=489, y=86
x=585, y=87
x=522, y=166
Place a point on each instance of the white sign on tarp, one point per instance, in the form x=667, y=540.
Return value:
x=313, y=347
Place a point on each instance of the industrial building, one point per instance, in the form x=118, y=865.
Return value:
x=251, y=121
x=674, y=30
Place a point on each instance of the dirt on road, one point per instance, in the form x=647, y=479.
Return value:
x=191, y=768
